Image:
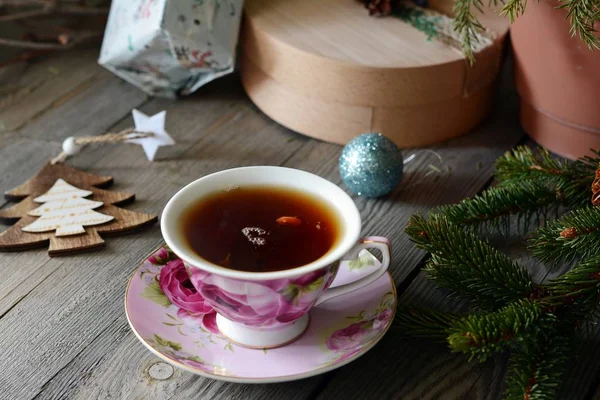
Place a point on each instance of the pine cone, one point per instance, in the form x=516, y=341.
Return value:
x=596, y=188
x=378, y=7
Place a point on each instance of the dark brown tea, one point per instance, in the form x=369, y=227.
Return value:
x=260, y=229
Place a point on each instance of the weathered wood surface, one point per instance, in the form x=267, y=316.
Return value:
x=63, y=332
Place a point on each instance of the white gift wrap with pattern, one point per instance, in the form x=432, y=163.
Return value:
x=170, y=47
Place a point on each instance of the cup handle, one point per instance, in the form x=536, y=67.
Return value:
x=373, y=242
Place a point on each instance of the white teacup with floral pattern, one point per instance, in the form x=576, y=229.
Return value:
x=270, y=309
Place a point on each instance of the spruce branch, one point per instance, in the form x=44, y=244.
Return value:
x=585, y=277
x=467, y=25
x=576, y=294
x=424, y=322
x=535, y=373
x=575, y=235
x=582, y=15
x=513, y=9
x=570, y=180
x=467, y=265
x=482, y=335
x=494, y=206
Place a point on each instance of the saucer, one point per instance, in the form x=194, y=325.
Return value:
x=340, y=329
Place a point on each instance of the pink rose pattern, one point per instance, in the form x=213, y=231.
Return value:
x=265, y=303
x=193, y=321
x=162, y=256
x=352, y=338
x=199, y=294
x=174, y=351
x=276, y=301
x=174, y=282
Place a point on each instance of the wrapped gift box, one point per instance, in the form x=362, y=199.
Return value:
x=171, y=47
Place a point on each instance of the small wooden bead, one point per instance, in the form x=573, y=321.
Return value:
x=70, y=147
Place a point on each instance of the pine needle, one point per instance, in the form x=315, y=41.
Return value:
x=571, y=181
x=482, y=335
x=582, y=15
x=535, y=373
x=534, y=321
x=576, y=235
x=494, y=206
x=467, y=265
x=424, y=322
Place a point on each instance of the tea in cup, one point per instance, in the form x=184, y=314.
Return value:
x=262, y=245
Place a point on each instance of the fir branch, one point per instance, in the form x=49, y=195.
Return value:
x=424, y=322
x=576, y=294
x=494, y=206
x=482, y=335
x=467, y=265
x=571, y=181
x=576, y=235
x=582, y=15
x=535, y=373
x=583, y=277
x=466, y=25
x=513, y=8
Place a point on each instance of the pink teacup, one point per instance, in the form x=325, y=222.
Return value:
x=270, y=309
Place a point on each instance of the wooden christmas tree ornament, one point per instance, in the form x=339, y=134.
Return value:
x=326, y=69
x=66, y=207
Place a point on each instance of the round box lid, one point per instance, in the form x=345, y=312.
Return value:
x=332, y=49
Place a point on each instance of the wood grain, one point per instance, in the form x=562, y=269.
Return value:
x=63, y=333
x=195, y=155
x=31, y=89
x=426, y=370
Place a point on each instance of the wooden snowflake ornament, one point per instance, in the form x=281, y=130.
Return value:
x=66, y=207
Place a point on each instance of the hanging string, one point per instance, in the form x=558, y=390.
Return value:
x=432, y=167
x=73, y=145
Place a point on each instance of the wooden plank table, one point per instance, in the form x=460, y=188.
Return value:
x=63, y=331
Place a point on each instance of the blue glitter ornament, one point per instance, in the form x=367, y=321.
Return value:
x=371, y=165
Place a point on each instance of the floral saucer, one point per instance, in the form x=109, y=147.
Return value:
x=161, y=307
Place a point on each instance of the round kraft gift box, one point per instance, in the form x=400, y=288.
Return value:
x=326, y=69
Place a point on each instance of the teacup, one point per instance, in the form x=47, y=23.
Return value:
x=270, y=309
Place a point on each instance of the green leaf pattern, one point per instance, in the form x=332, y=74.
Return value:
x=365, y=259
x=153, y=293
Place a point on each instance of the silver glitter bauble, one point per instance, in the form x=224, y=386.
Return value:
x=371, y=165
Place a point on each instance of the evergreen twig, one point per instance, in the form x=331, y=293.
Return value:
x=424, y=322
x=468, y=266
x=535, y=321
x=535, y=373
x=571, y=181
x=577, y=292
x=467, y=25
x=513, y=9
x=482, y=335
x=495, y=205
x=576, y=235
x=582, y=15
